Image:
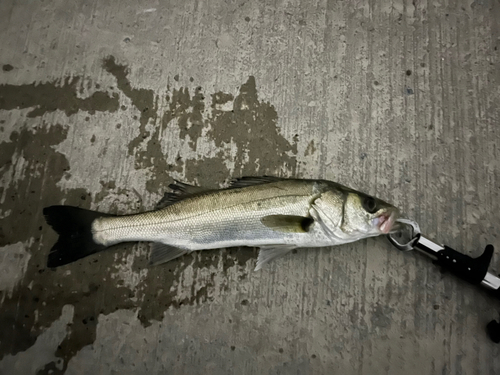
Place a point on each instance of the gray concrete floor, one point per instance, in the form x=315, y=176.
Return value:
x=104, y=103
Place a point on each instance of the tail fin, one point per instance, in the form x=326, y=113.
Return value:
x=74, y=226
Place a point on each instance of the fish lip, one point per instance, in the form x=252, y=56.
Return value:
x=386, y=221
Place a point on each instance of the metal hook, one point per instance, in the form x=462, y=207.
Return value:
x=415, y=233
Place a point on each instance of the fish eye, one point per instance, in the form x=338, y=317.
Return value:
x=370, y=205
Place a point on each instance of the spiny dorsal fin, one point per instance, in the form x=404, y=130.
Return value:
x=252, y=181
x=186, y=189
x=269, y=253
x=287, y=223
x=180, y=191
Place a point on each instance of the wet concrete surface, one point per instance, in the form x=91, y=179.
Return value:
x=104, y=104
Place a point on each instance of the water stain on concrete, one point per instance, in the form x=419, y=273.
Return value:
x=14, y=258
x=253, y=126
x=37, y=301
x=142, y=99
x=41, y=354
x=188, y=111
x=51, y=96
x=29, y=153
x=244, y=120
x=310, y=149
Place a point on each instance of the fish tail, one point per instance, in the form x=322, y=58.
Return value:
x=74, y=226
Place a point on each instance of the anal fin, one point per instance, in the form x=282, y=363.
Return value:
x=269, y=253
x=162, y=253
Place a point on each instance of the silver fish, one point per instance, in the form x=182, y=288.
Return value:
x=277, y=215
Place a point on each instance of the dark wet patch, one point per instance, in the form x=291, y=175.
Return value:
x=43, y=290
x=43, y=167
x=310, y=149
x=381, y=316
x=51, y=96
x=7, y=67
x=49, y=368
x=251, y=125
x=162, y=278
x=221, y=98
x=146, y=147
x=142, y=99
x=209, y=172
x=131, y=198
x=238, y=257
x=189, y=113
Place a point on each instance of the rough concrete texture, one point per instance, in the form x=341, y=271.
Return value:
x=104, y=103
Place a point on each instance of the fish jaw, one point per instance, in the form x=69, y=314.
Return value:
x=385, y=222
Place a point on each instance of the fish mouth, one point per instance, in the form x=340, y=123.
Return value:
x=386, y=222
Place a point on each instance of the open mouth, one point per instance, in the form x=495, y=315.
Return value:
x=386, y=222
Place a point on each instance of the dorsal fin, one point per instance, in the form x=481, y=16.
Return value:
x=252, y=181
x=180, y=191
x=181, y=188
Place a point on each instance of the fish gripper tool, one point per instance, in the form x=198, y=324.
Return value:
x=472, y=270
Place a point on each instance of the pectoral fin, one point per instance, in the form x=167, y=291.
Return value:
x=162, y=253
x=287, y=223
x=268, y=253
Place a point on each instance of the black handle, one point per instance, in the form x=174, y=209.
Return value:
x=472, y=270
x=493, y=329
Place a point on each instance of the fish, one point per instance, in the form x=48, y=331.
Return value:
x=277, y=215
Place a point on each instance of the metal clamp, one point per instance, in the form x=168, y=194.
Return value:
x=415, y=234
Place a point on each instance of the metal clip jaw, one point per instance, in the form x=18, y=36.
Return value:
x=415, y=233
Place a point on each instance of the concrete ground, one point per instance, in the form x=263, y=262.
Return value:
x=104, y=103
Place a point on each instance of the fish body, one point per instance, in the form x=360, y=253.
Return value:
x=274, y=214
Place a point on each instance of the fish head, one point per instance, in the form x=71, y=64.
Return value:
x=368, y=216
